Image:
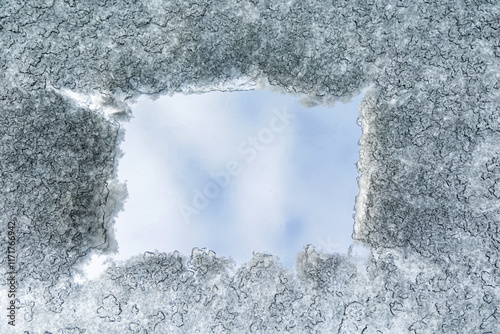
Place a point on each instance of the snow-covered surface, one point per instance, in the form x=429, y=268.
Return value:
x=429, y=162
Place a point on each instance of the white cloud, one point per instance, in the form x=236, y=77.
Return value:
x=293, y=190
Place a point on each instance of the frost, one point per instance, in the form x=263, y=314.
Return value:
x=429, y=162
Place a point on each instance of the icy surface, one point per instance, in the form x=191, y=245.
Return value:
x=429, y=162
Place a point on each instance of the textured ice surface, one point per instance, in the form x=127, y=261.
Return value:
x=429, y=162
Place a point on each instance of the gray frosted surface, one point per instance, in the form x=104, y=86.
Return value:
x=429, y=162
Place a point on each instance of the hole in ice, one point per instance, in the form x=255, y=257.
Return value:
x=238, y=172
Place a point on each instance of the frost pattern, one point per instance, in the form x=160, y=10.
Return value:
x=429, y=161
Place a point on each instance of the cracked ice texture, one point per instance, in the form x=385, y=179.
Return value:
x=429, y=161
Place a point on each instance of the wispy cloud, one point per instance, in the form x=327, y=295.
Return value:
x=264, y=182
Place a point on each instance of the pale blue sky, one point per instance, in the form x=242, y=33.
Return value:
x=284, y=181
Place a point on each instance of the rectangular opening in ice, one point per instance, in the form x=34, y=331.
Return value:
x=238, y=172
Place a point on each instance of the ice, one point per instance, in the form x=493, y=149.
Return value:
x=428, y=203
